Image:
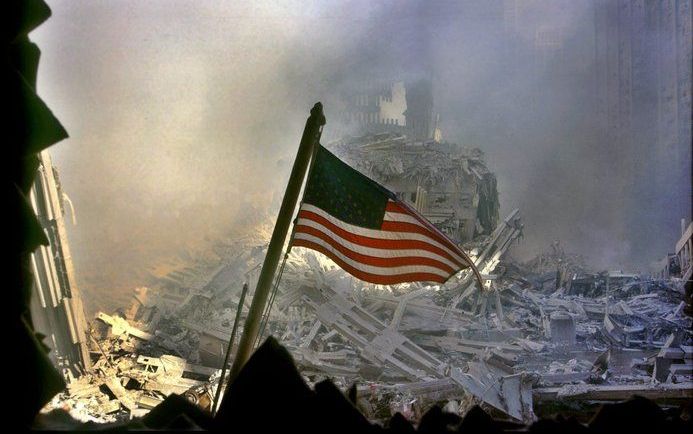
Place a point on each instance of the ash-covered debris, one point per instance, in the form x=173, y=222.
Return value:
x=510, y=347
x=133, y=372
x=538, y=333
x=171, y=338
x=448, y=183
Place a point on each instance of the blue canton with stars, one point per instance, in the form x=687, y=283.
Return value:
x=345, y=193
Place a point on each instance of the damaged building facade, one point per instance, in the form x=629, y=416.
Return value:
x=399, y=106
x=396, y=140
x=680, y=262
x=56, y=303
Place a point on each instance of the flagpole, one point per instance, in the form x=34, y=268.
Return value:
x=309, y=141
x=239, y=311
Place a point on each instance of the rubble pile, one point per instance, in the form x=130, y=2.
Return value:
x=169, y=340
x=448, y=183
x=537, y=332
x=509, y=347
x=133, y=372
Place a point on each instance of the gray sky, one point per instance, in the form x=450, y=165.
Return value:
x=184, y=118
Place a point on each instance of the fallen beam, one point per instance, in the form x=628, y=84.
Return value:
x=584, y=392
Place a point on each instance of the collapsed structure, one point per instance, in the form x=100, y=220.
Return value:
x=536, y=333
x=448, y=184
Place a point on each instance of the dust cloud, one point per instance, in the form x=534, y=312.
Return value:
x=184, y=118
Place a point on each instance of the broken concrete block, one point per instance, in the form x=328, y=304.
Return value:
x=562, y=328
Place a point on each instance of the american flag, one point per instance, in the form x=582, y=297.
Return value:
x=366, y=230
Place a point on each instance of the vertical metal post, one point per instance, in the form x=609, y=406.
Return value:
x=239, y=310
x=309, y=141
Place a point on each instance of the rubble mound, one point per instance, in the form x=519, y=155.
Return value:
x=533, y=341
x=270, y=395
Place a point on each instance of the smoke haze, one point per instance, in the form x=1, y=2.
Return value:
x=184, y=118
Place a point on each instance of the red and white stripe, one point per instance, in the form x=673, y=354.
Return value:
x=407, y=248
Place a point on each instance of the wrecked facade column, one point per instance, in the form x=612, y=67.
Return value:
x=56, y=305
